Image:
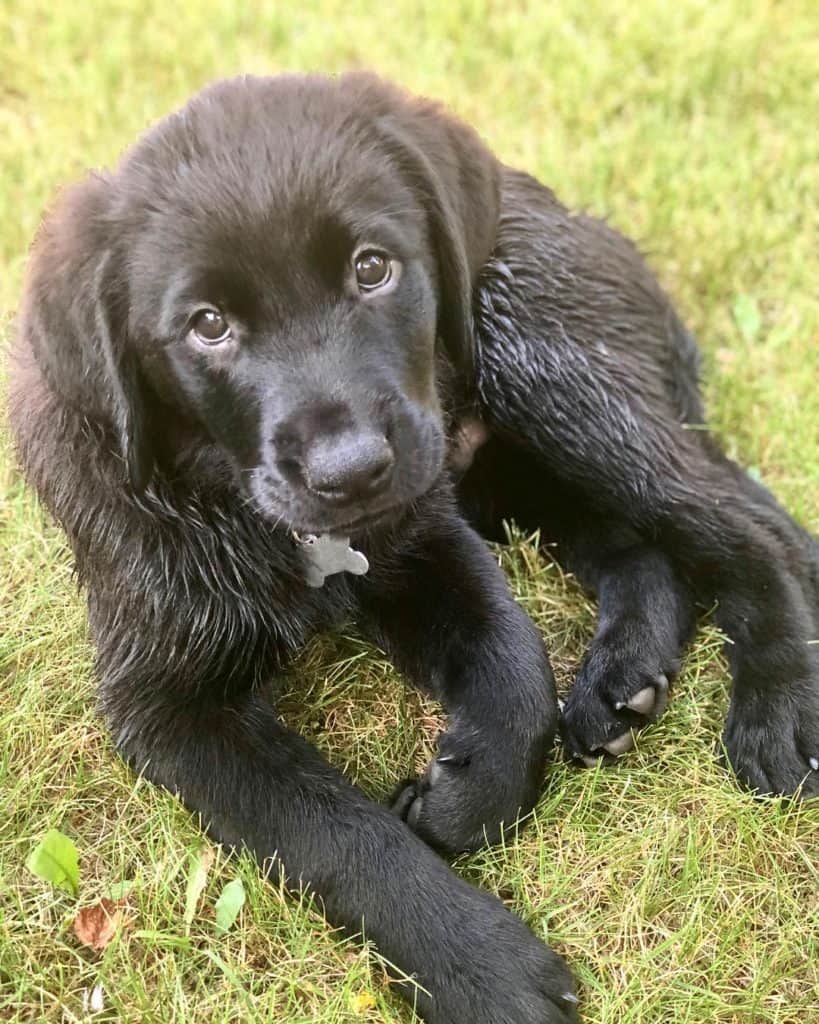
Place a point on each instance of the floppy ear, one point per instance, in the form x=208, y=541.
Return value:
x=458, y=180
x=74, y=314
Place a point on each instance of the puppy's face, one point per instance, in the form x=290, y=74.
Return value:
x=282, y=270
x=283, y=294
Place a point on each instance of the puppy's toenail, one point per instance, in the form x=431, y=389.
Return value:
x=643, y=701
x=814, y=763
x=570, y=997
x=620, y=744
x=414, y=813
x=448, y=759
x=661, y=696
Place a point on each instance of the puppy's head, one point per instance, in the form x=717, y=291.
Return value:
x=281, y=269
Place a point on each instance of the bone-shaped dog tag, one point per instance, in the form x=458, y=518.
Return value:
x=326, y=555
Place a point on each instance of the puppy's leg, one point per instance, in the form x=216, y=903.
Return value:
x=737, y=550
x=587, y=379
x=645, y=617
x=739, y=553
x=444, y=613
x=181, y=667
x=258, y=785
x=646, y=609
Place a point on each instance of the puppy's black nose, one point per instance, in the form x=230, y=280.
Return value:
x=349, y=466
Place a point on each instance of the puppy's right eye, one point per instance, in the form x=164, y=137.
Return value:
x=372, y=270
x=210, y=327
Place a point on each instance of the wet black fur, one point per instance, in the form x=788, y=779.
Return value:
x=175, y=474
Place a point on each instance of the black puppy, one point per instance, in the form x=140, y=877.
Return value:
x=309, y=324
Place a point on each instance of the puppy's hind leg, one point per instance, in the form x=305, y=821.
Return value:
x=646, y=609
x=588, y=397
x=645, y=617
x=639, y=466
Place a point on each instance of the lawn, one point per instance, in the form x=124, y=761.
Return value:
x=677, y=898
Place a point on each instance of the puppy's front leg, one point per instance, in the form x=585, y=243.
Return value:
x=445, y=615
x=257, y=784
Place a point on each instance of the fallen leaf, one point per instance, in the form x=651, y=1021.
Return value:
x=229, y=904
x=197, y=879
x=55, y=859
x=96, y=926
x=120, y=890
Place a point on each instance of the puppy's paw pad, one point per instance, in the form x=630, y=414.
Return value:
x=613, y=748
x=650, y=702
x=606, y=708
x=595, y=727
x=620, y=744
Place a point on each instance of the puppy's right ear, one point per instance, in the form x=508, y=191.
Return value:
x=75, y=317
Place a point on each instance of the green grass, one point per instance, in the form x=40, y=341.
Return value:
x=676, y=897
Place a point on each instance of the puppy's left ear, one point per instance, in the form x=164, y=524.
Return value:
x=458, y=180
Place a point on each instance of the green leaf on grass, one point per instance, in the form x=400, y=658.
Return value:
x=119, y=890
x=55, y=859
x=197, y=879
x=229, y=904
x=746, y=314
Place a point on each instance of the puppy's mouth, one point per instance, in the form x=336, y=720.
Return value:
x=364, y=524
x=356, y=526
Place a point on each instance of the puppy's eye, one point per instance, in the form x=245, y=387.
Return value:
x=372, y=270
x=210, y=327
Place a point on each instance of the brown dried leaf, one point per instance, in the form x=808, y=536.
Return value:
x=96, y=926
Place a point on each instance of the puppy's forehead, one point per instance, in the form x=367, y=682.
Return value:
x=265, y=158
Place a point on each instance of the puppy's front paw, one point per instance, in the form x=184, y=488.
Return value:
x=479, y=783
x=773, y=744
x=499, y=973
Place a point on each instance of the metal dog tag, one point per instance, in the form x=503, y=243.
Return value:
x=325, y=555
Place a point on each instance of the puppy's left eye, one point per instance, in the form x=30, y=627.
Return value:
x=372, y=270
x=210, y=327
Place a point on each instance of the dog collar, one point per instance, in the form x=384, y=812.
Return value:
x=325, y=555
